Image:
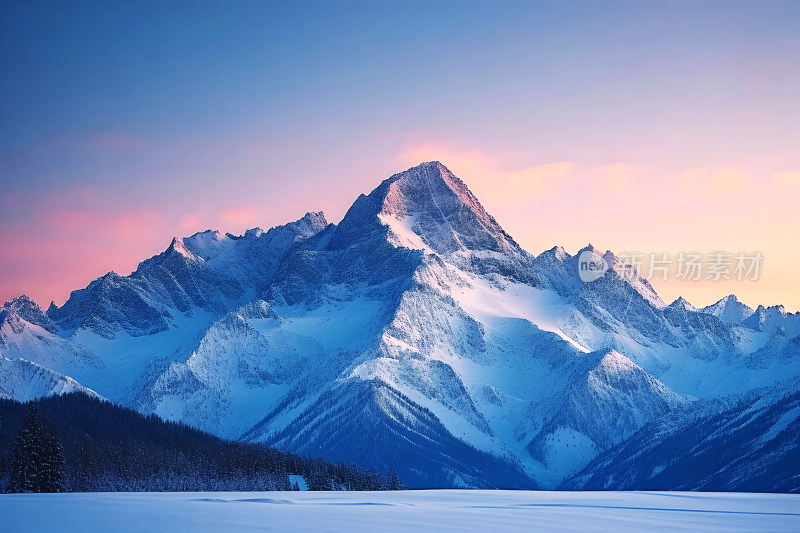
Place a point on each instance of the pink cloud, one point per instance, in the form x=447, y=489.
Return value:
x=73, y=220
x=730, y=180
x=53, y=250
x=47, y=265
x=136, y=224
x=140, y=225
x=495, y=177
x=64, y=239
x=241, y=218
x=53, y=242
x=786, y=179
x=687, y=181
x=193, y=222
x=615, y=179
x=632, y=206
x=703, y=182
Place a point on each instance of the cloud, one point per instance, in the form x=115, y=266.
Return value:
x=538, y=181
x=55, y=251
x=64, y=239
x=786, y=179
x=615, y=179
x=193, y=222
x=730, y=180
x=495, y=176
x=688, y=181
x=138, y=225
x=242, y=218
x=702, y=182
x=74, y=220
x=59, y=240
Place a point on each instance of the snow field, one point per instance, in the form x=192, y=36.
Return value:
x=441, y=511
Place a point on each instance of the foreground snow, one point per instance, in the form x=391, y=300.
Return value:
x=442, y=510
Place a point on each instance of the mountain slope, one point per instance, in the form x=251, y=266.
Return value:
x=24, y=381
x=416, y=334
x=598, y=410
x=746, y=443
x=370, y=420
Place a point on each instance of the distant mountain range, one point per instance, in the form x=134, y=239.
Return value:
x=418, y=335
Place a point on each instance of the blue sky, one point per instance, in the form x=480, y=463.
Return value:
x=175, y=113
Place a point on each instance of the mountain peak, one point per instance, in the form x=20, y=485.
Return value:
x=312, y=221
x=729, y=309
x=558, y=253
x=202, y=242
x=628, y=273
x=25, y=308
x=428, y=207
x=178, y=246
x=767, y=319
x=682, y=303
x=614, y=361
x=109, y=277
x=590, y=248
x=23, y=301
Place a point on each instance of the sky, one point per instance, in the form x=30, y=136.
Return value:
x=661, y=127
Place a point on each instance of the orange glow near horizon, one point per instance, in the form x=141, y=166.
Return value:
x=617, y=206
x=621, y=207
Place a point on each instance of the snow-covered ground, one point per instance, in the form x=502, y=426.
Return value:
x=442, y=510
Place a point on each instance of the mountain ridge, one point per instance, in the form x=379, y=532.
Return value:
x=417, y=314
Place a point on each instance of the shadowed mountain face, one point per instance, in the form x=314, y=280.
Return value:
x=414, y=335
x=747, y=442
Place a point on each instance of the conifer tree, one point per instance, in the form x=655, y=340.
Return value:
x=38, y=461
x=393, y=481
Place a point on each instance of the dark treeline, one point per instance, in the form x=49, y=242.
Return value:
x=111, y=448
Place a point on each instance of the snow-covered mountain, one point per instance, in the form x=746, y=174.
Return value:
x=416, y=334
x=746, y=442
x=729, y=309
x=23, y=380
